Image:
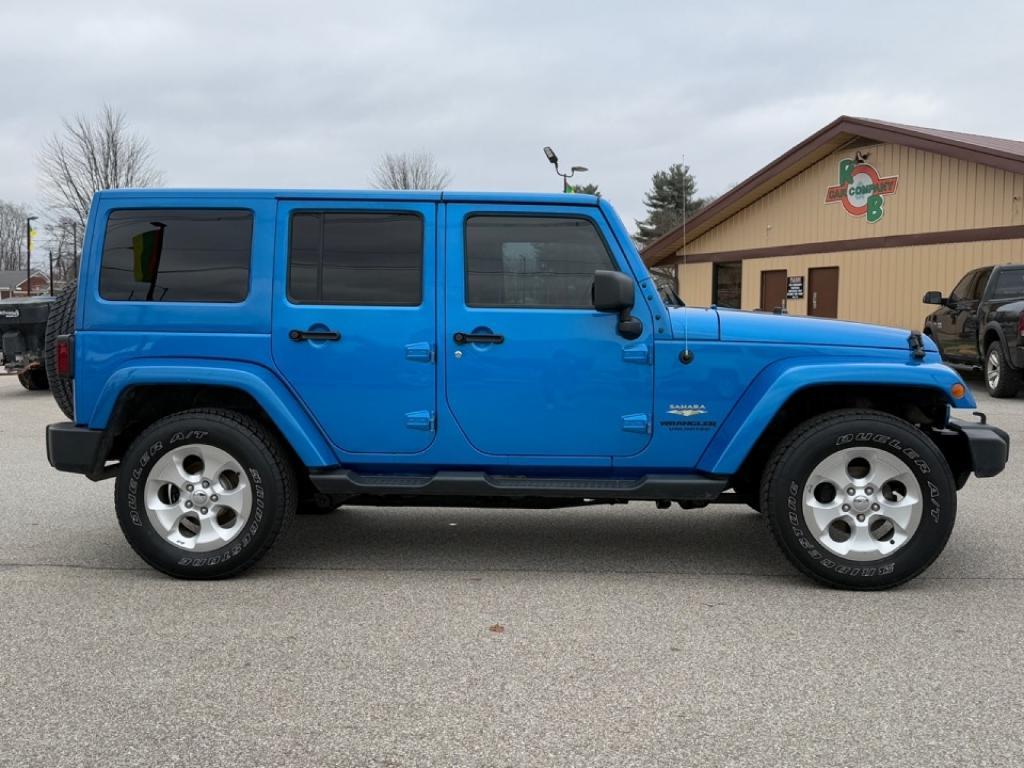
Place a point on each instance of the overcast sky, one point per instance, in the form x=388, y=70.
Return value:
x=308, y=94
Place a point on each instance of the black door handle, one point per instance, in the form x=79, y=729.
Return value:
x=478, y=338
x=297, y=335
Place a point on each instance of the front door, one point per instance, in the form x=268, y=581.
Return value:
x=773, y=290
x=966, y=318
x=531, y=368
x=823, y=286
x=354, y=319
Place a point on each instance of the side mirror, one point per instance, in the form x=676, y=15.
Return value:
x=933, y=297
x=613, y=292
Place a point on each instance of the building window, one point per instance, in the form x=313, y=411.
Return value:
x=200, y=255
x=726, y=284
x=356, y=259
x=532, y=261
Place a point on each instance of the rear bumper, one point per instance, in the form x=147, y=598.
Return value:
x=988, y=447
x=81, y=450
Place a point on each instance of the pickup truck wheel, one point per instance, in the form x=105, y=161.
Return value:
x=203, y=494
x=33, y=379
x=859, y=499
x=1000, y=379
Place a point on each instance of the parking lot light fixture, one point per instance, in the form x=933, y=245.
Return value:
x=553, y=159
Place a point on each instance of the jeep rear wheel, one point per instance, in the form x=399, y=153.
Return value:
x=59, y=322
x=204, y=494
x=859, y=499
x=1000, y=379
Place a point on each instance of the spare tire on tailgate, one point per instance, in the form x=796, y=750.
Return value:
x=61, y=321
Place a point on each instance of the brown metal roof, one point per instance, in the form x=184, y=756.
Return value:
x=987, y=150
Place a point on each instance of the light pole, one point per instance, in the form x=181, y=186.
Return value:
x=28, y=254
x=553, y=159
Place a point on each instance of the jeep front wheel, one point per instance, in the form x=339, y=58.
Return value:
x=204, y=494
x=859, y=499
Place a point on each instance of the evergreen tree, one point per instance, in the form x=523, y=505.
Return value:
x=586, y=189
x=671, y=190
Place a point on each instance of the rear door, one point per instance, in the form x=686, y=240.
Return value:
x=531, y=368
x=354, y=319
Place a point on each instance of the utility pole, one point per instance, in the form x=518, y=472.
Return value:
x=28, y=255
x=51, y=272
x=74, y=249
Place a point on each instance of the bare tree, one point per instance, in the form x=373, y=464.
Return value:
x=65, y=238
x=409, y=171
x=93, y=153
x=12, y=235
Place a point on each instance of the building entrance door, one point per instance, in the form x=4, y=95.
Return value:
x=773, y=289
x=823, y=286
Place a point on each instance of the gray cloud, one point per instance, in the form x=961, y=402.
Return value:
x=310, y=93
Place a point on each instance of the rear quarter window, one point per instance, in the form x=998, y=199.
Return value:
x=177, y=255
x=1009, y=284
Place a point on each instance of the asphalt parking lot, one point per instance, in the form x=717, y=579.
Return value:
x=631, y=636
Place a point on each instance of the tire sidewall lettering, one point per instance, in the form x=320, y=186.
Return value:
x=937, y=489
x=133, y=505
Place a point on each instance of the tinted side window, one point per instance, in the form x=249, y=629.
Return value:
x=532, y=261
x=978, y=290
x=1009, y=284
x=963, y=288
x=200, y=255
x=356, y=258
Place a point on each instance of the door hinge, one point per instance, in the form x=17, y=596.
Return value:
x=637, y=353
x=422, y=420
x=421, y=352
x=637, y=422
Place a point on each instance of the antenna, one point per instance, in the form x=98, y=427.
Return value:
x=687, y=356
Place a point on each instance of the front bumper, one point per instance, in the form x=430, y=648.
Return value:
x=81, y=450
x=987, y=447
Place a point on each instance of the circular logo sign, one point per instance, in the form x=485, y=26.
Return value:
x=865, y=183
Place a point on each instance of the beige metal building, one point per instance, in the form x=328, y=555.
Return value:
x=855, y=222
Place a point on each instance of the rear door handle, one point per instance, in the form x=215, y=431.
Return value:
x=297, y=335
x=478, y=338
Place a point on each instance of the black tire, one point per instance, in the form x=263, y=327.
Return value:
x=33, y=379
x=1007, y=381
x=266, y=469
x=785, y=480
x=60, y=321
x=317, y=504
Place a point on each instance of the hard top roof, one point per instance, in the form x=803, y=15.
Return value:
x=526, y=198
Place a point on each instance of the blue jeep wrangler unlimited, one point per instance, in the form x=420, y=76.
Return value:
x=230, y=356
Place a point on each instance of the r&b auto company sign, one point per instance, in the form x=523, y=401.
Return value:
x=861, y=189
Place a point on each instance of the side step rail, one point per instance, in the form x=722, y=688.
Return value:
x=342, y=482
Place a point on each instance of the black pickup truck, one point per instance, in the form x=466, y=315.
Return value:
x=23, y=338
x=981, y=323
